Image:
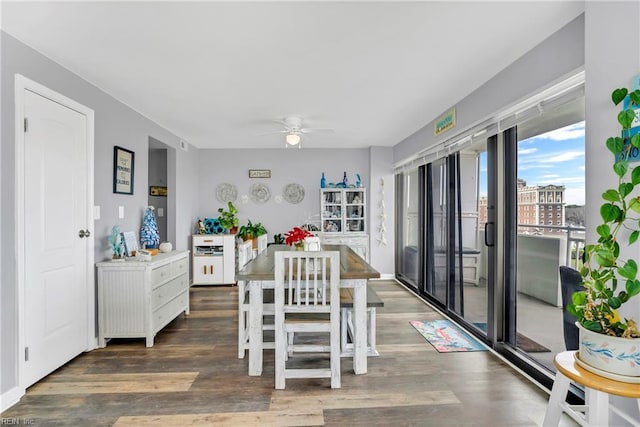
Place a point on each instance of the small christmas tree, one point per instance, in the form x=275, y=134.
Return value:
x=149, y=236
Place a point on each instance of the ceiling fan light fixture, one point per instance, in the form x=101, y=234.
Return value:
x=293, y=138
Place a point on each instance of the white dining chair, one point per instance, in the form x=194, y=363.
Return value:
x=245, y=254
x=307, y=300
x=262, y=243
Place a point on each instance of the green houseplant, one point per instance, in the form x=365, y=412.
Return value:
x=228, y=218
x=609, y=281
x=251, y=231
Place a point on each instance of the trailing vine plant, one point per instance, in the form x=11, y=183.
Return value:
x=609, y=281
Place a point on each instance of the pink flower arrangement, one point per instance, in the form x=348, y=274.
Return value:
x=297, y=235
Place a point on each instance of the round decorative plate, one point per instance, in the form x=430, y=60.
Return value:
x=294, y=193
x=226, y=192
x=260, y=193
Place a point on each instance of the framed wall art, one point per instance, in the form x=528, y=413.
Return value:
x=259, y=173
x=155, y=190
x=123, y=168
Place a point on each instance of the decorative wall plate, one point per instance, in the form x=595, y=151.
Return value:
x=260, y=193
x=293, y=193
x=226, y=192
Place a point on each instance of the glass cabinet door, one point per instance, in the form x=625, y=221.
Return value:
x=331, y=214
x=354, y=205
x=343, y=210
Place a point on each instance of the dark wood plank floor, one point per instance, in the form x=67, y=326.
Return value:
x=192, y=376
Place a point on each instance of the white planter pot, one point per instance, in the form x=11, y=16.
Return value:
x=619, y=356
x=166, y=247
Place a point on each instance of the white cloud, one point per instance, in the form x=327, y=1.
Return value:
x=574, y=196
x=564, y=157
x=569, y=132
x=532, y=165
x=562, y=180
x=527, y=151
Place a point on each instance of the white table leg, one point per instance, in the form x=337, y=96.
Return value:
x=360, y=326
x=255, y=328
x=556, y=400
x=242, y=327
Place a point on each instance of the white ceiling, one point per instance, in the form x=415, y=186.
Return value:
x=218, y=73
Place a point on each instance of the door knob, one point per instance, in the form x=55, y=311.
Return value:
x=84, y=233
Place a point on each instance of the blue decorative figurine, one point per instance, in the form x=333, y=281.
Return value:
x=358, y=181
x=115, y=243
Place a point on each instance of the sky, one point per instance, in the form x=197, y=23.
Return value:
x=555, y=157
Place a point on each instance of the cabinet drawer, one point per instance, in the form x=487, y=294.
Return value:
x=180, y=266
x=169, y=311
x=160, y=274
x=208, y=240
x=168, y=291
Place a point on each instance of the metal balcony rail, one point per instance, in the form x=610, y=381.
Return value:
x=575, y=236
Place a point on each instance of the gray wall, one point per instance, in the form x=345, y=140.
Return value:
x=287, y=165
x=560, y=54
x=382, y=255
x=608, y=66
x=115, y=124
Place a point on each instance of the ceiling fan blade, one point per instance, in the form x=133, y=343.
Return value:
x=271, y=132
x=310, y=130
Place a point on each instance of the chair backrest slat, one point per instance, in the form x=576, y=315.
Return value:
x=307, y=277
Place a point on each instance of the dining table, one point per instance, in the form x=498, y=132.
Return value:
x=259, y=274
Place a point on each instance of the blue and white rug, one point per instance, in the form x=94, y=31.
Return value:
x=446, y=337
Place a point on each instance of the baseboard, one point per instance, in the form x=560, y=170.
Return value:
x=389, y=276
x=10, y=398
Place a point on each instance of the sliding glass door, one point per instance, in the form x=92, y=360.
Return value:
x=409, y=256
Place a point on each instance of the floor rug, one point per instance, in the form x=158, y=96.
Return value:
x=524, y=343
x=445, y=336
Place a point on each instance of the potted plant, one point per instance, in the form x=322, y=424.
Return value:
x=251, y=231
x=606, y=340
x=228, y=218
x=296, y=236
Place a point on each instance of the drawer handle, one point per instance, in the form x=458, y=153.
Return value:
x=204, y=269
x=211, y=268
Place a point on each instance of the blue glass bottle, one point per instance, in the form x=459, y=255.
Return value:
x=323, y=181
x=344, y=181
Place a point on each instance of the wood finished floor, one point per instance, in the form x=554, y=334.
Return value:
x=192, y=376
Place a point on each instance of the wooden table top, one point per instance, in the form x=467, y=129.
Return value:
x=352, y=266
x=565, y=363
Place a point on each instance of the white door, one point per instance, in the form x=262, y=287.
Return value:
x=55, y=313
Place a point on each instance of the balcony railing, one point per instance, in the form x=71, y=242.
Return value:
x=575, y=237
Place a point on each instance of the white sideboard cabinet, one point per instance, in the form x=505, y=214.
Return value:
x=136, y=299
x=214, y=259
x=343, y=218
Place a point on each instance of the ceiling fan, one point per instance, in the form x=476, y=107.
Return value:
x=294, y=130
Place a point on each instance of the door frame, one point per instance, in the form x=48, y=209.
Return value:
x=23, y=84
